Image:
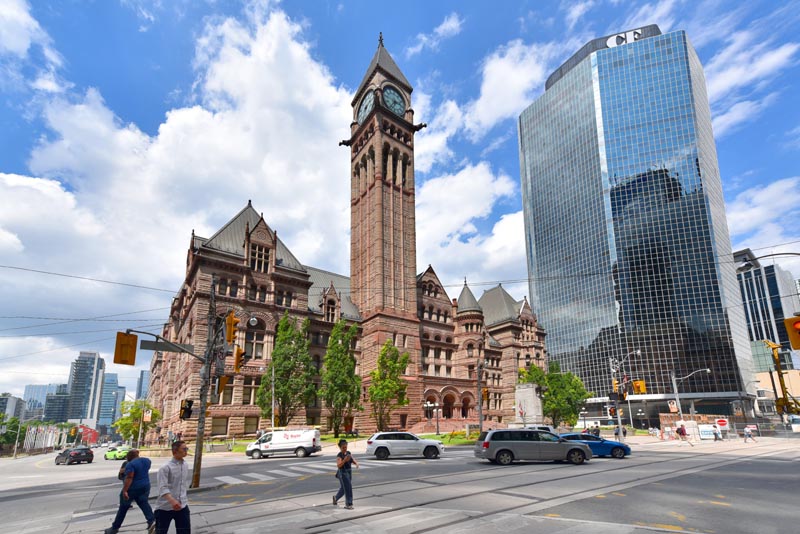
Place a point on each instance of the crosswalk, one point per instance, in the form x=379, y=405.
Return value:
x=299, y=469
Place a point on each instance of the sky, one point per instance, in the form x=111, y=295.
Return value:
x=127, y=124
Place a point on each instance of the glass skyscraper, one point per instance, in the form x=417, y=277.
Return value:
x=629, y=255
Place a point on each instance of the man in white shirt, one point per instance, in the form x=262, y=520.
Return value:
x=173, y=485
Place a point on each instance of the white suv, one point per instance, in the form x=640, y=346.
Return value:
x=385, y=444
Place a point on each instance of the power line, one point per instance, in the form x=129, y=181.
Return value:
x=90, y=279
x=80, y=331
x=84, y=319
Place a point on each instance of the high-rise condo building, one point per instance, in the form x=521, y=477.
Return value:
x=628, y=250
x=85, y=387
x=143, y=384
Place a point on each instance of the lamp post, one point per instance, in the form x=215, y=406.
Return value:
x=675, y=386
x=583, y=413
x=640, y=414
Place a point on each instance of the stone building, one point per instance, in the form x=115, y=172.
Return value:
x=449, y=341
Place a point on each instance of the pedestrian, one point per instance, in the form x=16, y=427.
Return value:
x=717, y=433
x=748, y=434
x=683, y=435
x=624, y=431
x=596, y=430
x=343, y=472
x=616, y=432
x=173, y=500
x=136, y=487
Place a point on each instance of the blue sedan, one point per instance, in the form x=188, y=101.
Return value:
x=600, y=446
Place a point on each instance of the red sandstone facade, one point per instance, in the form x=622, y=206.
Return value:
x=260, y=279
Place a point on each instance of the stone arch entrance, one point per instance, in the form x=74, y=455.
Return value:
x=466, y=407
x=447, y=405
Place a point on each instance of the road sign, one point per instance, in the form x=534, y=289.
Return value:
x=164, y=347
x=722, y=423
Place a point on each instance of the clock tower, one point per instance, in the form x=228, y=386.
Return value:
x=383, y=235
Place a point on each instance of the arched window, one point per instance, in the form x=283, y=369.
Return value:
x=470, y=349
x=330, y=311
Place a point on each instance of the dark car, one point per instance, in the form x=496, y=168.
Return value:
x=75, y=455
x=600, y=446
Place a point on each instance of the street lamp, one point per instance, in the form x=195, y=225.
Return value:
x=640, y=414
x=675, y=386
x=481, y=365
x=583, y=413
x=432, y=406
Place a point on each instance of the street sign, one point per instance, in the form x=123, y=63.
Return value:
x=164, y=347
x=722, y=423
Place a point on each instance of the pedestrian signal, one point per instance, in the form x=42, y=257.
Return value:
x=73, y=431
x=238, y=358
x=485, y=393
x=186, y=408
x=612, y=412
x=639, y=387
x=221, y=383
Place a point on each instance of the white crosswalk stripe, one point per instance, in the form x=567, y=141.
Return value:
x=308, y=469
x=258, y=476
x=285, y=473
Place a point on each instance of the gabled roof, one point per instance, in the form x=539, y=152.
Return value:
x=322, y=280
x=467, y=302
x=230, y=239
x=498, y=306
x=383, y=61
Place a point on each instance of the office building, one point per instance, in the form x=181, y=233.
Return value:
x=35, y=396
x=769, y=296
x=108, y=403
x=142, y=384
x=11, y=406
x=628, y=250
x=56, y=406
x=85, y=388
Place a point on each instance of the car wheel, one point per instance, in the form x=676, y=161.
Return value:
x=69, y=462
x=56, y=460
x=382, y=453
x=256, y=454
x=301, y=452
x=430, y=452
x=576, y=456
x=504, y=457
x=105, y=457
x=88, y=461
x=618, y=452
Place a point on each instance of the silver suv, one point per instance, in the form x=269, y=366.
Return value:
x=384, y=444
x=507, y=445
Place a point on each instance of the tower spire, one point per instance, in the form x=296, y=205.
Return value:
x=380, y=39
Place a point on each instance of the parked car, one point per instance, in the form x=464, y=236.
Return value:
x=600, y=446
x=117, y=453
x=507, y=445
x=75, y=455
x=385, y=444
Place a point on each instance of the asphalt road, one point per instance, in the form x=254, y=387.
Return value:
x=712, y=488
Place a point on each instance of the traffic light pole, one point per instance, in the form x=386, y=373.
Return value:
x=205, y=380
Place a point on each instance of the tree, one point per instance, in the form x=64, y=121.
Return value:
x=563, y=393
x=294, y=373
x=341, y=387
x=387, y=390
x=133, y=417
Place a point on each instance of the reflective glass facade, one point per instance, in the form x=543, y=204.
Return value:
x=628, y=249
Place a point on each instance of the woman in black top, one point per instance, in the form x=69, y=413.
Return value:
x=343, y=462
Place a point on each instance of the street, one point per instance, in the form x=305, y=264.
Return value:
x=725, y=487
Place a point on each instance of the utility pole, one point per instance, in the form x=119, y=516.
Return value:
x=205, y=379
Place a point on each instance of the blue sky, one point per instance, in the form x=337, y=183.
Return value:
x=126, y=124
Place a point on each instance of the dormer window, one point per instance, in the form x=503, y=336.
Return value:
x=259, y=258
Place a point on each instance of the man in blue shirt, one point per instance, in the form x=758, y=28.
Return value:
x=135, y=488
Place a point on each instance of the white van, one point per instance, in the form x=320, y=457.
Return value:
x=300, y=442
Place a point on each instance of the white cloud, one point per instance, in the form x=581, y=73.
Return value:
x=754, y=208
x=793, y=138
x=726, y=121
x=576, y=10
x=19, y=33
x=450, y=27
x=512, y=77
x=661, y=13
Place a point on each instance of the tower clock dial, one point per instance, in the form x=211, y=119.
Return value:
x=394, y=101
x=367, y=103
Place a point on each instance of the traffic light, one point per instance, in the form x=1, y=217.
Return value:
x=485, y=393
x=125, y=349
x=238, y=358
x=230, y=327
x=615, y=385
x=792, y=325
x=222, y=381
x=73, y=431
x=186, y=408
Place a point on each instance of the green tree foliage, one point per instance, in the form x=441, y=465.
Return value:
x=387, y=390
x=10, y=427
x=563, y=393
x=132, y=418
x=294, y=373
x=341, y=387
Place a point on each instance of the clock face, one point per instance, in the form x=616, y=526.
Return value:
x=394, y=101
x=367, y=104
